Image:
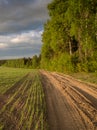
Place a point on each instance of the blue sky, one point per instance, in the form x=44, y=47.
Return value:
x=21, y=26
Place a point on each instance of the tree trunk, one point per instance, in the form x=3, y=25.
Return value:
x=70, y=48
x=79, y=45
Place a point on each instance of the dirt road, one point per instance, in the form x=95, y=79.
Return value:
x=71, y=104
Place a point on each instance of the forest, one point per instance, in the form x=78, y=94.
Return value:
x=33, y=62
x=69, y=38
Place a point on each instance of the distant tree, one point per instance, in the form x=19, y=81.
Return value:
x=2, y=62
x=35, y=61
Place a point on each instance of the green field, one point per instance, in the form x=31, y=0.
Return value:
x=22, y=102
x=9, y=76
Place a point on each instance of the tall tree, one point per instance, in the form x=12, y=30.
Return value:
x=71, y=30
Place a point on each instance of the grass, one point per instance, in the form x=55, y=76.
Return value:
x=1, y=127
x=87, y=77
x=25, y=107
x=9, y=76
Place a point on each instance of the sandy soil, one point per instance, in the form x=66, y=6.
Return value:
x=71, y=104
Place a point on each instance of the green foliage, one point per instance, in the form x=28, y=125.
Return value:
x=33, y=62
x=70, y=36
x=92, y=65
x=63, y=63
x=2, y=62
x=1, y=127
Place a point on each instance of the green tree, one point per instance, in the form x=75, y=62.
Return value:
x=71, y=30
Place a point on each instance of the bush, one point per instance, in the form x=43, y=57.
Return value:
x=92, y=66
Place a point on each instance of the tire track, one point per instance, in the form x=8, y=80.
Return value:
x=62, y=114
x=83, y=97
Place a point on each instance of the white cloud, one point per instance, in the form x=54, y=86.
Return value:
x=28, y=37
x=19, y=39
x=20, y=45
x=3, y=45
x=31, y=39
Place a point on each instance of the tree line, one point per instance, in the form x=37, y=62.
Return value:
x=70, y=36
x=33, y=62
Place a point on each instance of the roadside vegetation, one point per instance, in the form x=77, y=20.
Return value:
x=23, y=105
x=86, y=77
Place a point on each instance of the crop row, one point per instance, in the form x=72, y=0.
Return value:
x=25, y=107
x=9, y=76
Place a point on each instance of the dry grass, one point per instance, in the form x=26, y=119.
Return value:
x=87, y=77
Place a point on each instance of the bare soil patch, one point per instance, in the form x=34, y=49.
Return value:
x=3, y=100
x=71, y=104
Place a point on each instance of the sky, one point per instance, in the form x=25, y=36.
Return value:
x=21, y=27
